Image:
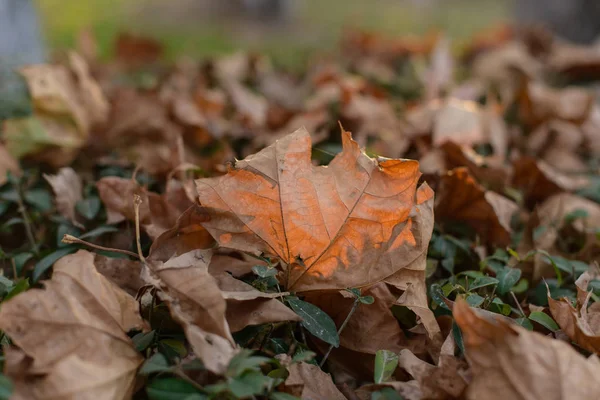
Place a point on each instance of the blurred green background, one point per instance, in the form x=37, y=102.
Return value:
x=192, y=27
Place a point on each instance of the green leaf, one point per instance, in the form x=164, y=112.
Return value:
x=101, y=230
x=89, y=207
x=513, y=253
x=39, y=199
x=458, y=339
x=6, y=387
x=483, y=282
x=507, y=278
x=46, y=262
x=316, y=321
x=20, y=260
x=19, y=287
x=475, y=300
x=156, y=363
x=499, y=307
x=174, y=346
x=248, y=384
x=521, y=287
x=386, y=393
x=142, y=340
x=385, y=364
x=171, y=389
x=304, y=356
x=244, y=361
x=437, y=295
x=263, y=271
x=278, y=345
x=525, y=323
x=65, y=229
x=366, y=300
x=544, y=319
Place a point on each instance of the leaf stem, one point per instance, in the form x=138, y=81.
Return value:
x=69, y=239
x=517, y=303
x=26, y=222
x=352, y=310
x=137, y=200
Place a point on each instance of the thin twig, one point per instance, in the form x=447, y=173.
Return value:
x=517, y=303
x=352, y=310
x=69, y=239
x=26, y=222
x=179, y=372
x=137, y=200
x=14, y=268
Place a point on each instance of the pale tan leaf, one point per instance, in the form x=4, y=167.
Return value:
x=195, y=301
x=83, y=319
x=68, y=190
x=309, y=382
x=7, y=164
x=509, y=362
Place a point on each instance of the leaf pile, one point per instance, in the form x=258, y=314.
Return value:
x=407, y=222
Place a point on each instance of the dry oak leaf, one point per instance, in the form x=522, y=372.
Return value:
x=581, y=324
x=308, y=381
x=509, y=362
x=83, y=319
x=345, y=225
x=539, y=180
x=196, y=302
x=461, y=198
x=68, y=189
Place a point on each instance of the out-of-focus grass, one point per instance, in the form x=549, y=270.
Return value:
x=317, y=25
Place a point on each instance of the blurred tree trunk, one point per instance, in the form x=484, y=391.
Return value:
x=20, y=43
x=575, y=20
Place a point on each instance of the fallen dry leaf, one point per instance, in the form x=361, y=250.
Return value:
x=196, y=302
x=83, y=318
x=68, y=190
x=309, y=382
x=460, y=198
x=581, y=324
x=509, y=362
x=372, y=327
x=123, y=272
x=539, y=180
x=7, y=164
x=346, y=225
x=443, y=381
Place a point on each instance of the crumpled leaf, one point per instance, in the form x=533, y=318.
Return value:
x=7, y=164
x=195, y=301
x=83, y=319
x=158, y=212
x=581, y=324
x=68, y=189
x=67, y=102
x=308, y=381
x=462, y=199
x=509, y=362
x=346, y=225
x=443, y=381
x=123, y=272
x=539, y=180
x=248, y=306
